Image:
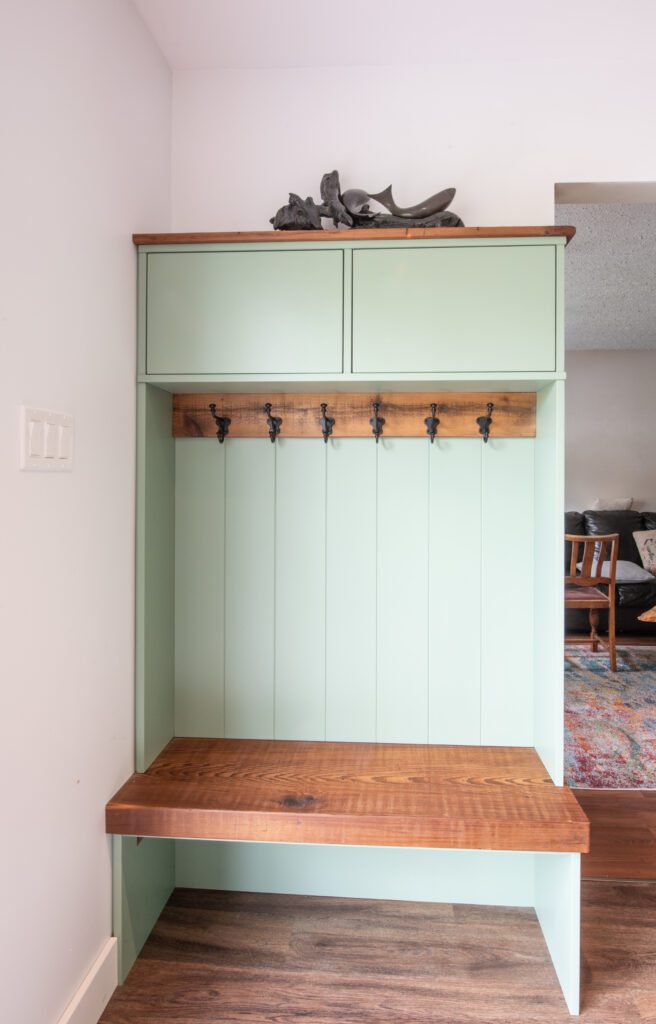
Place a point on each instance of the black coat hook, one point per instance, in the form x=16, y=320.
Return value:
x=432, y=423
x=327, y=423
x=377, y=422
x=485, y=422
x=222, y=424
x=274, y=423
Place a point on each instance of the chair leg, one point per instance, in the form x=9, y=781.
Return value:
x=593, y=615
x=611, y=639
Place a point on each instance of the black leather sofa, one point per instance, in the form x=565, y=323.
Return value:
x=632, y=599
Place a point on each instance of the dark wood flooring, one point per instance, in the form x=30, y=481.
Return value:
x=622, y=834
x=243, y=957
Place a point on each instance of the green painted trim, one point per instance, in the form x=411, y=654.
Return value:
x=142, y=295
x=155, y=554
x=140, y=582
x=347, y=334
x=548, y=595
x=198, y=382
x=560, y=309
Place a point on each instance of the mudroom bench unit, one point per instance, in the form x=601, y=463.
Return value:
x=349, y=549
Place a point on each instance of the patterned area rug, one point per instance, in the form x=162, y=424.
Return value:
x=610, y=719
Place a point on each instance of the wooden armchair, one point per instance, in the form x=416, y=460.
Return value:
x=581, y=588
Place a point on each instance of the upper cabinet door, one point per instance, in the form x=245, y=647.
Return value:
x=263, y=312
x=457, y=309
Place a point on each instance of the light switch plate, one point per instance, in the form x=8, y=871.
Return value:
x=46, y=440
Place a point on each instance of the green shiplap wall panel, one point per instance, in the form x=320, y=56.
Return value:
x=249, y=588
x=351, y=590
x=459, y=310
x=199, y=586
x=245, y=311
x=154, y=665
x=497, y=878
x=300, y=590
x=507, y=592
x=454, y=564
x=402, y=591
x=549, y=568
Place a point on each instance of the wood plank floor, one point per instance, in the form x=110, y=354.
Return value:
x=623, y=833
x=242, y=957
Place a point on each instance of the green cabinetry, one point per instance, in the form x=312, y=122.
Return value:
x=363, y=309
x=474, y=309
x=245, y=312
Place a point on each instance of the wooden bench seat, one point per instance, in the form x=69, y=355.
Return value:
x=370, y=794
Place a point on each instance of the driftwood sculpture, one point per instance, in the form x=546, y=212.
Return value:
x=351, y=208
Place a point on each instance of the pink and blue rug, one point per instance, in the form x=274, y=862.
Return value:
x=610, y=719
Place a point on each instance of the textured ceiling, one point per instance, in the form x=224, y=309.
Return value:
x=196, y=34
x=610, y=275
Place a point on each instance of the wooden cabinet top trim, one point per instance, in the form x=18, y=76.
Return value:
x=371, y=794
x=358, y=234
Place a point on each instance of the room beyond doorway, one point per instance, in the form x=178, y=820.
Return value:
x=610, y=471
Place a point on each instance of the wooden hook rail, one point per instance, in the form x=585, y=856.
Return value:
x=404, y=413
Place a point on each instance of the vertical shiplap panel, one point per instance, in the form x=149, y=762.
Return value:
x=351, y=591
x=507, y=592
x=300, y=590
x=199, y=569
x=454, y=561
x=249, y=588
x=402, y=643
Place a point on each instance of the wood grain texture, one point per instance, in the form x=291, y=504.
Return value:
x=404, y=413
x=371, y=794
x=246, y=957
x=359, y=234
x=622, y=833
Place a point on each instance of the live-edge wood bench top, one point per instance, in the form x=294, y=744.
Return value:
x=370, y=794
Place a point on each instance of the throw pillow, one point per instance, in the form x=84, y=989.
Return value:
x=612, y=504
x=625, y=572
x=646, y=543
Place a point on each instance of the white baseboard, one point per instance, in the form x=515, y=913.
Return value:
x=94, y=993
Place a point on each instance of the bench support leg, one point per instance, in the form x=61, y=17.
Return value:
x=143, y=879
x=558, y=907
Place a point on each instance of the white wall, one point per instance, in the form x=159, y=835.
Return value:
x=610, y=446
x=502, y=133
x=85, y=116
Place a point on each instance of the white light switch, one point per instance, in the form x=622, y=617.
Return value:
x=36, y=429
x=46, y=439
x=52, y=440
x=65, y=449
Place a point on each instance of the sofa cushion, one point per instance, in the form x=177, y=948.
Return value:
x=625, y=572
x=646, y=544
x=649, y=520
x=639, y=595
x=624, y=523
x=611, y=504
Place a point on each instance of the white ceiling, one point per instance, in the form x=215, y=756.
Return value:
x=194, y=34
x=610, y=275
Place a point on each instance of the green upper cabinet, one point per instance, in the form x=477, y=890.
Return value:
x=454, y=309
x=241, y=312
